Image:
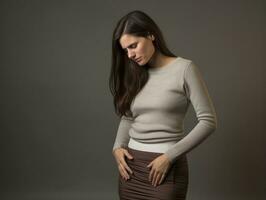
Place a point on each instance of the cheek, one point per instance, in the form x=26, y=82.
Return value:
x=144, y=51
x=141, y=51
x=149, y=50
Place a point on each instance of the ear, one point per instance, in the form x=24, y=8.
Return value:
x=151, y=37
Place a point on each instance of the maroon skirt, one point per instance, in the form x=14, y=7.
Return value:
x=138, y=187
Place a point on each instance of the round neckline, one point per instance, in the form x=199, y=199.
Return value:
x=164, y=67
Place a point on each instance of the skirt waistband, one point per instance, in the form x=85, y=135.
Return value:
x=146, y=156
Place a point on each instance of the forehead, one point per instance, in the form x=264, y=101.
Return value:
x=127, y=39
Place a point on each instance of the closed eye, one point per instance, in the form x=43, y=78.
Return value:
x=134, y=45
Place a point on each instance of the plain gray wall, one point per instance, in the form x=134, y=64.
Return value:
x=57, y=118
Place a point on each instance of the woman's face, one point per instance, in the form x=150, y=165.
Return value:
x=138, y=49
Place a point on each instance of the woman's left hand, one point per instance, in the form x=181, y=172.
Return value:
x=160, y=166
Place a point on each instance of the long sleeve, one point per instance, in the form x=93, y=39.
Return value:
x=197, y=92
x=122, y=136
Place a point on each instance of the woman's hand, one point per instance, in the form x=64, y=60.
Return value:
x=160, y=166
x=119, y=155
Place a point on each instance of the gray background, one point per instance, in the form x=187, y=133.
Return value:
x=57, y=118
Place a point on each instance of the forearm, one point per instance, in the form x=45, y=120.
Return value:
x=196, y=136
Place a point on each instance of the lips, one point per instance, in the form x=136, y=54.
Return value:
x=137, y=60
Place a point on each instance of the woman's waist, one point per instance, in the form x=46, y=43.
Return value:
x=158, y=147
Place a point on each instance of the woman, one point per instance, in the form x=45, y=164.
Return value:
x=152, y=91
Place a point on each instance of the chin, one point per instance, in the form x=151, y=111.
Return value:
x=141, y=63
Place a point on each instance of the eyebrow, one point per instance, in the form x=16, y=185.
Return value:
x=129, y=45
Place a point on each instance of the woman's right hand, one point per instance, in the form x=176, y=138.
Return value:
x=119, y=154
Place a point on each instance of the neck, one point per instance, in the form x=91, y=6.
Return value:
x=158, y=60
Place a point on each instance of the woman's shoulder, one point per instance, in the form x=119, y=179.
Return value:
x=184, y=61
x=181, y=64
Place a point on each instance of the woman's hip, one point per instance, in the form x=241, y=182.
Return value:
x=174, y=185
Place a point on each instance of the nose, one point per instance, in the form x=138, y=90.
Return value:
x=131, y=54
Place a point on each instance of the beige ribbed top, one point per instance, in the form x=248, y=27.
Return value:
x=160, y=107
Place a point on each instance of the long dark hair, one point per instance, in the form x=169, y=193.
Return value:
x=126, y=77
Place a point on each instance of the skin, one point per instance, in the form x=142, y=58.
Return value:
x=140, y=47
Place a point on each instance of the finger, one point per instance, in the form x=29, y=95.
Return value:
x=151, y=174
x=158, y=177
x=128, y=155
x=162, y=178
x=126, y=166
x=150, y=164
x=122, y=174
x=154, y=178
x=124, y=170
